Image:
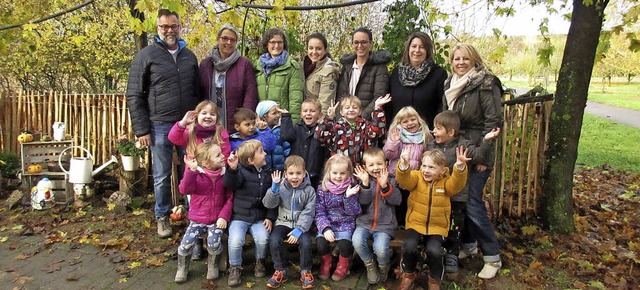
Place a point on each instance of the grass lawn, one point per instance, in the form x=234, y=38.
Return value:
x=606, y=142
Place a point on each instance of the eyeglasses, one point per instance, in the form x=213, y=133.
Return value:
x=173, y=27
x=228, y=39
x=274, y=42
x=363, y=43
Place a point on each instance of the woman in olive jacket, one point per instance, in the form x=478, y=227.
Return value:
x=320, y=71
x=279, y=76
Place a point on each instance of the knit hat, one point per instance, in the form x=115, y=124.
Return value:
x=264, y=107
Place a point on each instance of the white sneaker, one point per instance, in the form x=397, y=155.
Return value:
x=468, y=250
x=490, y=270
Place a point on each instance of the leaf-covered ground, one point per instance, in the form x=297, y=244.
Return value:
x=601, y=254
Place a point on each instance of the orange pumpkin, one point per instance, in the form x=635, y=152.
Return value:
x=25, y=137
x=34, y=168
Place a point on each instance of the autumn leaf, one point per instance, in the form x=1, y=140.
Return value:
x=529, y=230
x=22, y=256
x=111, y=206
x=138, y=212
x=146, y=223
x=134, y=265
x=156, y=262
x=123, y=280
x=249, y=284
x=3, y=239
x=535, y=265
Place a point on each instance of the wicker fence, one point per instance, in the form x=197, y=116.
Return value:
x=96, y=121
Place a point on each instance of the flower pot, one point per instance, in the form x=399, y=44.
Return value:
x=130, y=163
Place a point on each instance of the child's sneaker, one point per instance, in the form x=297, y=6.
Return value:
x=490, y=270
x=279, y=277
x=450, y=263
x=468, y=250
x=307, y=280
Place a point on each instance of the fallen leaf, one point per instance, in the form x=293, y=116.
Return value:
x=535, y=265
x=146, y=223
x=134, y=265
x=111, y=206
x=123, y=280
x=249, y=284
x=3, y=239
x=155, y=261
x=22, y=280
x=72, y=277
x=22, y=256
x=139, y=212
x=529, y=230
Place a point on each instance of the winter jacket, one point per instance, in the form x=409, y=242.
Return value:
x=425, y=97
x=304, y=144
x=479, y=108
x=210, y=200
x=275, y=159
x=476, y=153
x=180, y=137
x=374, y=79
x=393, y=149
x=336, y=211
x=240, y=86
x=161, y=89
x=250, y=185
x=378, y=207
x=296, y=206
x=429, y=204
x=322, y=83
x=285, y=86
x=339, y=137
x=265, y=136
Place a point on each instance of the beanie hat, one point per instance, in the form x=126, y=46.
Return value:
x=264, y=107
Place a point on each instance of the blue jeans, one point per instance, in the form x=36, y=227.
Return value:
x=380, y=245
x=162, y=158
x=237, y=231
x=276, y=244
x=477, y=221
x=195, y=230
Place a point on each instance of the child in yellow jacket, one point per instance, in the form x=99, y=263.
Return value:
x=428, y=209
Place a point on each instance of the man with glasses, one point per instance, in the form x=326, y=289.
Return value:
x=364, y=74
x=162, y=87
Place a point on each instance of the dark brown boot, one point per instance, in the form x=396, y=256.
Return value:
x=434, y=284
x=407, y=281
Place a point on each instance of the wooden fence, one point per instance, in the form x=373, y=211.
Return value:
x=96, y=121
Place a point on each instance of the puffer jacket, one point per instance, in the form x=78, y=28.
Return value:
x=210, y=200
x=336, y=211
x=265, y=136
x=296, y=206
x=305, y=145
x=374, y=79
x=284, y=86
x=161, y=89
x=240, y=86
x=275, y=159
x=322, y=83
x=476, y=153
x=378, y=207
x=479, y=108
x=429, y=204
x=180, y=136
x=250, y=185
x=393, y=149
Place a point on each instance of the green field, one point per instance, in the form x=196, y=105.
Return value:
x=606, y=142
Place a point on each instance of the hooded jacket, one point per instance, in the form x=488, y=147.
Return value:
x=304, y=144
x=160, y=89
x=296, y=206
x=210, y=200
x=285, y=86
x=250, y=186
x=180, y=136
x=378, y=207
x=374, y=79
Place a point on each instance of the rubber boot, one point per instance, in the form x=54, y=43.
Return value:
x=407, y=281
x=384, y=272
x=434, y=284
x=213, y=272
x=325, y=266
x=183, y=268
x=342, y=269
x=373, y=276
x=197, y=250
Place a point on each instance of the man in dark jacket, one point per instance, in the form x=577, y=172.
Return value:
x=162, y=87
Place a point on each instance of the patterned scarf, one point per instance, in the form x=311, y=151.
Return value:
x=220, y=64
x=411, y=138
x=338, y=188
x=410, y=76
x=268, y=63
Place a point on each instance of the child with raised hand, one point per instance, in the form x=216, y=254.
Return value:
x=378, y=199
x=428, y=210
x=249, y=177
x=446, y=129
x=301, y=138
x=351, y=134
x=336, y=210
x=408, y=130
x=249, y=126
x=210, y=210
x=295, y=200
x=270, y=112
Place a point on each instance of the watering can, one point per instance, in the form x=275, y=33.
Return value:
x=80, y=167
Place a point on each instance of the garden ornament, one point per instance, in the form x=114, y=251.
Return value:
x=41, y=195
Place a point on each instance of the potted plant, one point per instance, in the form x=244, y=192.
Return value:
x=130, y=153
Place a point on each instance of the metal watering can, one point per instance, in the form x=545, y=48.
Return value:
x=80, y=167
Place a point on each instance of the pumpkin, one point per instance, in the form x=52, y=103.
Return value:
x=25, y=137
x=34, y=168
x=177, y=213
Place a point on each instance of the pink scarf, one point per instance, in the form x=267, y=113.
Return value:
x=337, y=188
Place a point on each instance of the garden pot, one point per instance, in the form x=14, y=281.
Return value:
x=130, y=163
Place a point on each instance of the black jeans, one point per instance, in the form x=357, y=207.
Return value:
x=344, y=247
x=435, y=253
x=276, y=244
x=453, y=241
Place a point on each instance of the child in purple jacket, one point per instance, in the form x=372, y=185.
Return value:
x=337, y=208
x=210, y=209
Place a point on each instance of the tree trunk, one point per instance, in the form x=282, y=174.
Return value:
x=140, y=40
x=566, y=117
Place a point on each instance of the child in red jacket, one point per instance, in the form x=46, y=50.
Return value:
x=210, y=209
